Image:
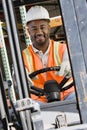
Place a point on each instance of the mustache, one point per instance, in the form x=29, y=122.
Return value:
x=39, y=35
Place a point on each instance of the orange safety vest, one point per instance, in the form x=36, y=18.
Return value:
x=32, y=62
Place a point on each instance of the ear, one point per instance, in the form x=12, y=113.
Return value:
x=27, y=31
x=49, y=27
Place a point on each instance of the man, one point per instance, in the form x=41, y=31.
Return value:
x=44, y=52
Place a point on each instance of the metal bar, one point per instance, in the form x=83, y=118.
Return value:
x=81, y=15
x=3, y=104
x=18, y=64
x=6, y=62
x=6, y=13
x=18, y=3
x=76, y=54
x=24, y=84
x=27, y=2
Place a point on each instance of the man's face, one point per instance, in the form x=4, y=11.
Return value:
x=39, y=31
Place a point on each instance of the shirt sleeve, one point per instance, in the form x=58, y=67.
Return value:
x=65, y=68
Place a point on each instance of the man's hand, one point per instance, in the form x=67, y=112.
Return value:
x=65, y=69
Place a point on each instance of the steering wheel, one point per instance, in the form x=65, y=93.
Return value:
x=54, y=68
x=33, y=74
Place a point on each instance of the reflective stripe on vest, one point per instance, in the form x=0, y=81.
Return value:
x=56, y=55
x=29, y=60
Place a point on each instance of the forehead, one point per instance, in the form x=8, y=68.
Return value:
x=38, y=22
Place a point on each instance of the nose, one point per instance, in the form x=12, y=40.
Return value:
x=39, y=31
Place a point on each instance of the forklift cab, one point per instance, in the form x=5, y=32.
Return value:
x=71, y=27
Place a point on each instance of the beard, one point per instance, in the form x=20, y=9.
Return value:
x=40, y=40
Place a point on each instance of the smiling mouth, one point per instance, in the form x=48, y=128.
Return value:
x=40, y=37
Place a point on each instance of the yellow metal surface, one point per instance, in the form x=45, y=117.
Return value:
x=56, y=21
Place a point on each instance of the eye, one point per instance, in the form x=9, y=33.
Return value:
x=33, y=29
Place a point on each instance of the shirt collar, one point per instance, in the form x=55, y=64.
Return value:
x=37, y=51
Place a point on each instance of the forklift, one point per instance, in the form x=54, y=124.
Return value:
x=24, y=113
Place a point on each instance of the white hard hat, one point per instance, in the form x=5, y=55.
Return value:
x=37, y=12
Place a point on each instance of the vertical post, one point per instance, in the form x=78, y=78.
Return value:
x=15, y=49
x=17, y=59
x=81, y=15
x=23, y=19
x=6, y=62
x=3, y=105
x=74, y=40
x=11, y=41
